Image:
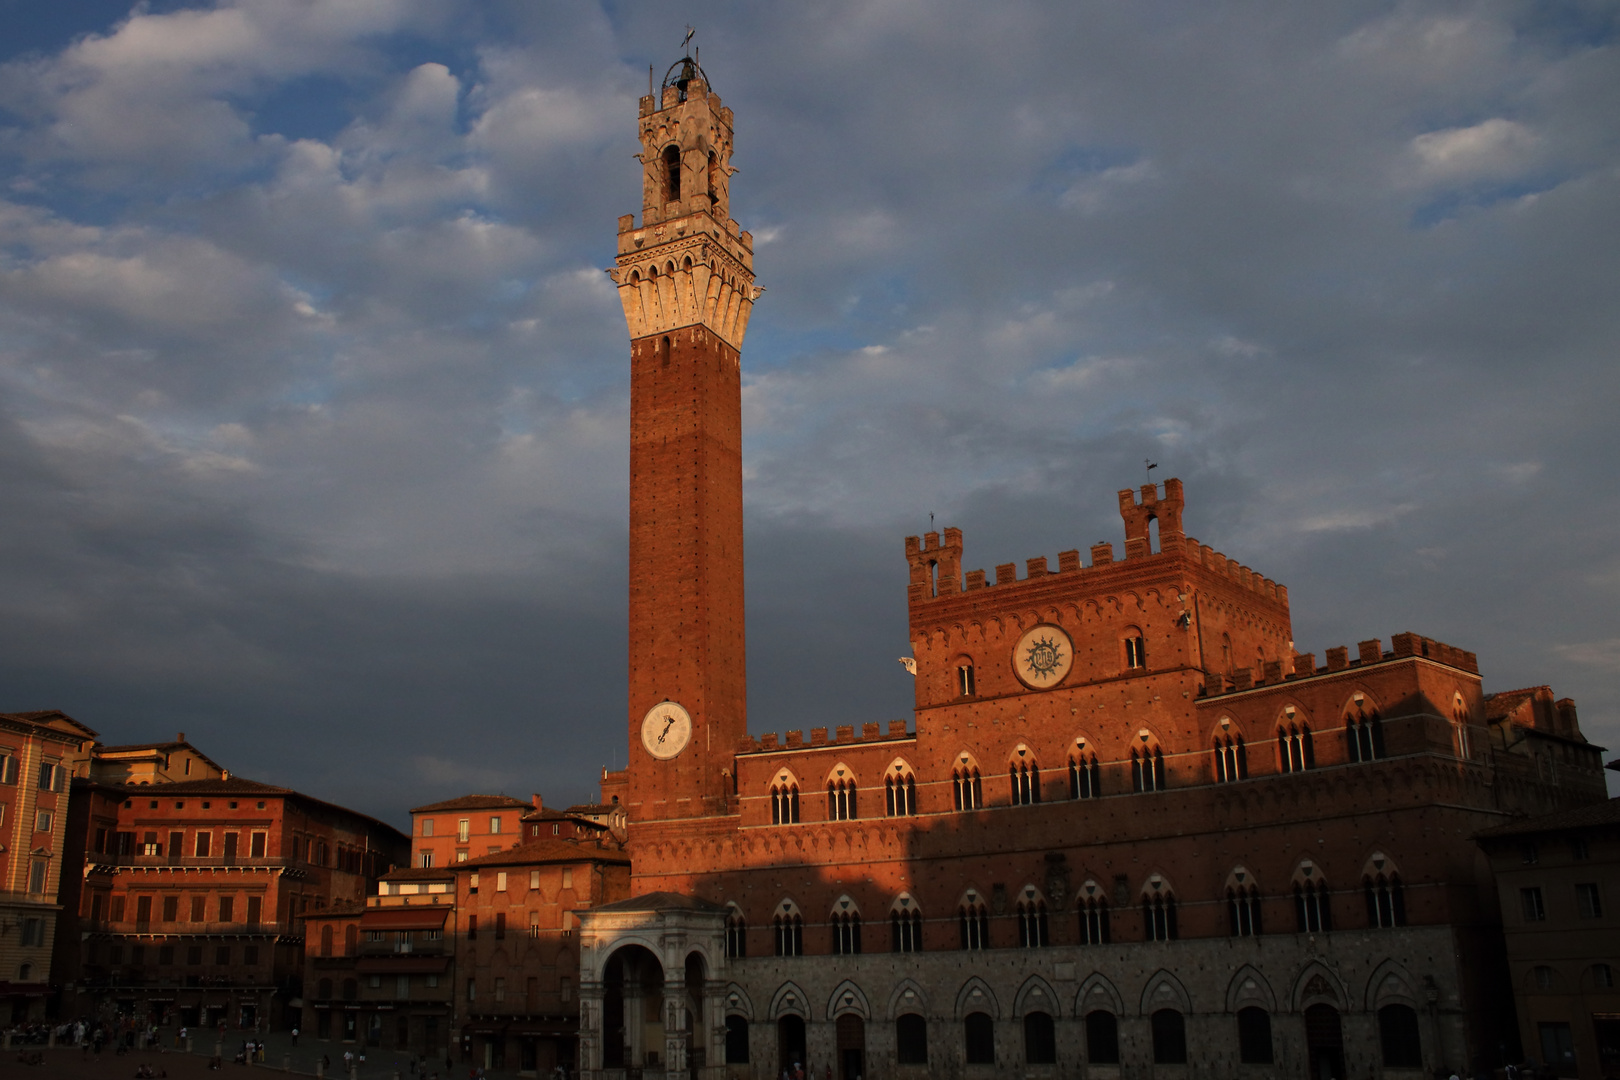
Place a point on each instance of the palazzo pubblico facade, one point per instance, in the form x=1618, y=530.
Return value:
x=1130, y=833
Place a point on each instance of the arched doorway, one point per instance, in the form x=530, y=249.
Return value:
x=632, y=1009
x=790, y=1041
x=1324, y=1042
x=851, y=1047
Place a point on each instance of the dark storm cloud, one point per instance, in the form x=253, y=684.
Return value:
x=315, y=393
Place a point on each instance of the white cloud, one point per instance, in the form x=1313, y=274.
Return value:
x=1352, y=519
x=1603, y=654
x=1094, y=192
x=1491, y=149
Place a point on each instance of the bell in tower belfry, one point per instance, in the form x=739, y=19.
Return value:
x=686, y=279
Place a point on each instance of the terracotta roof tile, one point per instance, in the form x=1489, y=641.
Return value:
x=546, y=850
x=473, y=802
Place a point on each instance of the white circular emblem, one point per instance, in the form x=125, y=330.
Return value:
x=1043, y=656
x=666, y=729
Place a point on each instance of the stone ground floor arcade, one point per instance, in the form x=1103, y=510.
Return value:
x=1390, y=1003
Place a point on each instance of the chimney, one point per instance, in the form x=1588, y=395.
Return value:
x=535, y=799
x=180, y=737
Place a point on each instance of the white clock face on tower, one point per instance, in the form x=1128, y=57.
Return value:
x=665, y=730
x=1043, y=656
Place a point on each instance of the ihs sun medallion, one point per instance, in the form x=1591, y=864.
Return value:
x=1043, y=656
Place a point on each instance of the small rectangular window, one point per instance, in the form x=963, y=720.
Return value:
x=1534, y=909
x=463, y=830
x=565, y=987
x=375, y=982
x=171, y=909
x=500, y=926
x=227, y=908
x=1527, y=852
x=203, y=840
x=1588, y=901
x=424, y=859
x=198, y=905
x=427, y=826
x=42, y=821
x=255, y=909
x=534, y=879
x=472, y=927
x=222, y=956
x=38, y=875
x=8, y=768
x=1578, y=848
x=568, y=877
x=402, y=986
x=964, y=680
x=494, y=826
x=472, y=989
x=256, y=846
x=500, y=988
x=500, y=881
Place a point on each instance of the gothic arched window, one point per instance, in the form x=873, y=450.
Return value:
x=1231, y=760
x=973, y=920
x=966, y=785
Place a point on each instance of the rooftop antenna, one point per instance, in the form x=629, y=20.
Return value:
x=930, y=521
x=1151, y=465
x=687, y=40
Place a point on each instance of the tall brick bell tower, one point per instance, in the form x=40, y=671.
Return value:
x=686, y=278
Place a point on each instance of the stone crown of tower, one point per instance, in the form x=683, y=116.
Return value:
x=688, y=263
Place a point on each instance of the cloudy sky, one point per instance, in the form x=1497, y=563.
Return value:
x=313, y=394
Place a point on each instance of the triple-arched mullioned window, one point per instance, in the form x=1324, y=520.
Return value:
x=1033, y=929
x=905, y=925
x=1024, y=777
x=973, y=920
x=788, y=927
x=841, y=805
x=784, y=799
x=967, y=787
x=846, y=927
x=1147, y=765
x=1295, y=752
x=1085, y=774
x=1363, y=730
x=900, y=790
x=1231, y=757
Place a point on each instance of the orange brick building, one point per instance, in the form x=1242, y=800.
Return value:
x=463, y=828
x=191, y=892
x=1131, y=831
